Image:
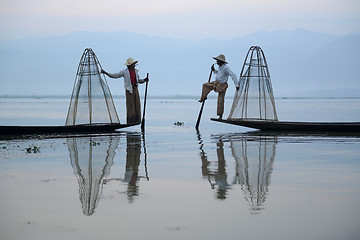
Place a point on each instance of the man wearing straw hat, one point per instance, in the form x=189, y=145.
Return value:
x=131, y=81
x=220, y=84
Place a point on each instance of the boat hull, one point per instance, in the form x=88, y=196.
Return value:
x=81, y=128
x=295, y=126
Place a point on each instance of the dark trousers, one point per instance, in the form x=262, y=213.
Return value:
x=133, y=111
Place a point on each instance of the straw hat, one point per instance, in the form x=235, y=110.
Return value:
x=221, y=57
x=130, y=61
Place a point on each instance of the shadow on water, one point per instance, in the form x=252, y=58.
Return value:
x=253, y=158
x=92, y=158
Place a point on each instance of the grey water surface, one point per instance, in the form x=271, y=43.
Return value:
x=174, y=182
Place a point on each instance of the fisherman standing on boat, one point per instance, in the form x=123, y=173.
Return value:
x=131, y=81
x=220, y=84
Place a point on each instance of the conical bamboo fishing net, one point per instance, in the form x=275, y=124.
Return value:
x=254, y=100
x=91, y=101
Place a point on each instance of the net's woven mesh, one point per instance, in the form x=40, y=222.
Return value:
x=91, y=101
x=254, y=100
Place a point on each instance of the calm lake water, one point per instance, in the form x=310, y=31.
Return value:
x=176, y=183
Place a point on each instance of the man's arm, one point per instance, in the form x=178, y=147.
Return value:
x=233, y=77
x=113, y=75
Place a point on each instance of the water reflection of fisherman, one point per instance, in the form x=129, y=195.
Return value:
x=133, y=151
x=219, y=175
x=254, y=159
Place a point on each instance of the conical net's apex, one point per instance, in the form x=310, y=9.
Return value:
x=91, y=101
x=255, y=99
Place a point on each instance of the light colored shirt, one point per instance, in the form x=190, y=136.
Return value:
x=223, y=73
x=127, y=80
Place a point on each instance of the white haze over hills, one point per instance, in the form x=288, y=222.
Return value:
x=301, y=63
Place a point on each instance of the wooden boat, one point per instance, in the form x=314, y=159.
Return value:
x=80, y=128
x=268, y=125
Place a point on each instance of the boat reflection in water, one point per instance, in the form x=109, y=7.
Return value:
x=254, y=158
x=92, y=158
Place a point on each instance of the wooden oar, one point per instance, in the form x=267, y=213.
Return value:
x=202, y=105
x=143, y=119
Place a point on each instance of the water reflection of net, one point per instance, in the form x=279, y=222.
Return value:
x=254, y=165
x=91, y=101
x=91, y=161
x=254, y=100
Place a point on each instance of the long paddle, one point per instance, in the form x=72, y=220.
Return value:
x=202, y=106
x=143, y=119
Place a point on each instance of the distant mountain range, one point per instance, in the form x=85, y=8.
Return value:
x=302, y=63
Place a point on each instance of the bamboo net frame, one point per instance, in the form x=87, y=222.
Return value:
x=255, y=99
x=91, y=101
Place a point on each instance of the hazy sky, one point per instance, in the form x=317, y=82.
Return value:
x=193, y=19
